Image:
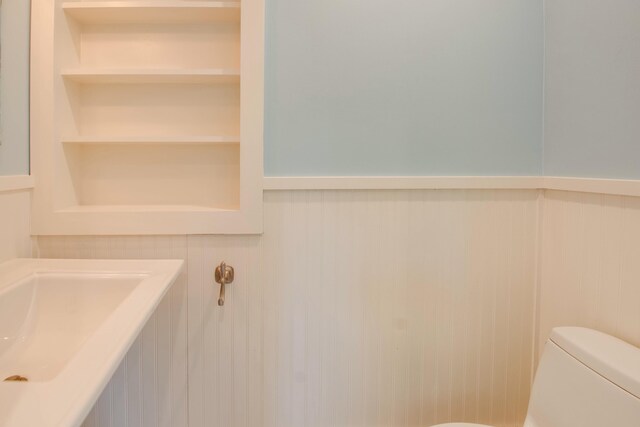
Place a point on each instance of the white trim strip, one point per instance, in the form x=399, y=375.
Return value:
x=402, y=183
x=619, y=187
x=16, y=182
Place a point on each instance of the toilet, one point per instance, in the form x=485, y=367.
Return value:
x=585, y=379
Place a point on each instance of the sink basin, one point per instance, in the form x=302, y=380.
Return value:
x=65, y=326
x=46, y=317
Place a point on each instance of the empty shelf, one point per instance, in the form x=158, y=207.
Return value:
x=119, y=12
x=152, y=140
x=141, y=76
x=142, y=208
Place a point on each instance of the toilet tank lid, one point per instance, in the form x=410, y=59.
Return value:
x=614, y=359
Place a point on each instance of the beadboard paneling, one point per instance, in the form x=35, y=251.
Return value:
x=590, y=269
x=361, y=308
x=150, y=386
x=15, y=236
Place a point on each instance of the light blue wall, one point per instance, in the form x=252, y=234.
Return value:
x=14, y=87
x=404, y=87
x=592, y=107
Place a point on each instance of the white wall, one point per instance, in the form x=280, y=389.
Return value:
x=15, y=239
x=590, y=268
x=354, y=308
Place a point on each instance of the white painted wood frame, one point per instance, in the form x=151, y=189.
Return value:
x=159, y=143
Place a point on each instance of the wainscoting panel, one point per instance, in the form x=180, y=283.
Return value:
x=354, y=308
x=591, y=268
x=150, y=386
x=15, y=239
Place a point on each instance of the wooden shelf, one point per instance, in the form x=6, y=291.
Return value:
x=152, y=140
x=141, y=76
x=140, y=125
x=169, y=175
x=152, y=110
x=122, y=12
x=142, y=208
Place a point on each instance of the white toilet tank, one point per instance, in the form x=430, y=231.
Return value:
x=586, y=379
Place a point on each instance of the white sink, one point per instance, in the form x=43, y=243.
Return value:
x=65, y=326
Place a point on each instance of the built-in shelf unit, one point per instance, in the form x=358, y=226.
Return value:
x=147, y=116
